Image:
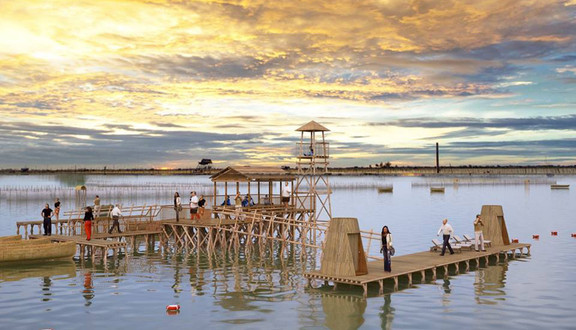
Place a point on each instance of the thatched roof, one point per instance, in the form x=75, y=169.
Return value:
x=312, y=127
x=251, y=173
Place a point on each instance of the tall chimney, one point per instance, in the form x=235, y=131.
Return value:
x=437, y=159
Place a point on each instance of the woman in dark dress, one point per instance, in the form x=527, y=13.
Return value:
x=201, y=206
x=88, y=218
x=385, y=248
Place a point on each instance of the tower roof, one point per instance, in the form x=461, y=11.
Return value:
x=312, y=127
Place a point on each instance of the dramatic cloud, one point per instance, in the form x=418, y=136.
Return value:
x=162, y=82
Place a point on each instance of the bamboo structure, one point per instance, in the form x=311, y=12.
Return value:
x=312, y=159
x=495, y=229
x=343, y=253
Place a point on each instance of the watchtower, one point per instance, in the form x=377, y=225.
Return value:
x=312, y=190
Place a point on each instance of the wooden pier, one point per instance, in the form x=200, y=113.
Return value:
x=420, y=263
x=91, y=246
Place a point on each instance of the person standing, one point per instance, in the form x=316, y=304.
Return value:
x=57, y=209
x=478, y=233
x=193, y=205
x=386, y=247
x=237, y=205
x=47, y=214
x=446, y=230
x=88, y=218
x=201, y=207
x=286, y=192
x=97, y=206
x=177, y=205
x=116, y=214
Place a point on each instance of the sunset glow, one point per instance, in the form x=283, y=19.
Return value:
x=166, y=83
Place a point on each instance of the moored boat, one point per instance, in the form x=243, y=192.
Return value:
x=22, y=250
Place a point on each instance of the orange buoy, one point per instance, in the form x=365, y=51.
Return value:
x=173, y=307
x=535, y=236
x=554, y=233
x=514, y=240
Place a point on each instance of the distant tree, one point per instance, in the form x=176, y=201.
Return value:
x=388, y=164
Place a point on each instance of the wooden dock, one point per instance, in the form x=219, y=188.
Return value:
x=420, y=263
x=90, y=246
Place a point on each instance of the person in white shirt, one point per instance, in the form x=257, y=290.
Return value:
x=194, y=206
x=446, y=230
x=478, y=235
x=286, y=192
x=116, y=214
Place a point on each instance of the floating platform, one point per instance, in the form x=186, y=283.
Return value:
x=437, y=189
x=418, y=263
x=559, y=186
x=386, y=189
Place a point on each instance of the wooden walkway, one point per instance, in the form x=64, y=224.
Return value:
x=419, y=263
x=92, y=245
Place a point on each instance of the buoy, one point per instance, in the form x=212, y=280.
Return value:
x=173, y=307
x=515, y=240
x=172, y=312
x=554, y=233
x=574, y=235
x=535, y=236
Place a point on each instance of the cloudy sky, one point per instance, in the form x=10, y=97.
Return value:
x=165, y=83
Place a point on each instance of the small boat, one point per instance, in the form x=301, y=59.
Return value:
x=436, y=189
x=559, y=186
x=386, y=189
x=12, y=249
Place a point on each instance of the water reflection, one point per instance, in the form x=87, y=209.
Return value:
x=16, y=272
x=489, y=283
x=344, y=312
x=88, y=292
x=387, y=315
x=46, y=284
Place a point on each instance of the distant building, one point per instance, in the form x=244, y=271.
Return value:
x=204, y=164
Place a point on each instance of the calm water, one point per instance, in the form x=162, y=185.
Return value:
x=263, y=290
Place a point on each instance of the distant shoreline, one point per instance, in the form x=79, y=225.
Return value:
x=354, y=171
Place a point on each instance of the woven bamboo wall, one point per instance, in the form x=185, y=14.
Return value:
x=494, y=225
x=343, y=254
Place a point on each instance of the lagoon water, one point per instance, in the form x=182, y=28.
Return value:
x=262, y=290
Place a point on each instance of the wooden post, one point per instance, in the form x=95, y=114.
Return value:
x=214, y=197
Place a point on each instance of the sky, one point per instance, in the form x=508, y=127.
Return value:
x=166, y=83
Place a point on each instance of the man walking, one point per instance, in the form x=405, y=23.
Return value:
x=446, y=230
x=478, y=234
x=47, y=215
x=116, y=214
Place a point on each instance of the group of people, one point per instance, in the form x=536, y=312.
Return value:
x=197, y=206
x=89, y=215
x=387, y=249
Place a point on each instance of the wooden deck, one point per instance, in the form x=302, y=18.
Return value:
x=84, y=244
x=419, y=263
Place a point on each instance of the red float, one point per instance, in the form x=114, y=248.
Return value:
x=554, y=233
x=536, y=236
x=173, y=307
x=514, y=240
